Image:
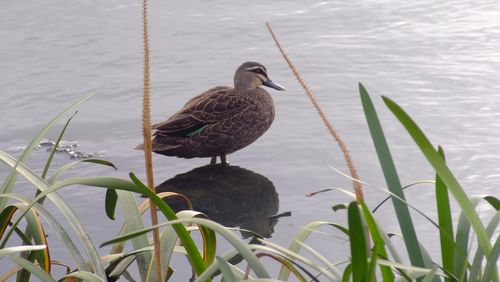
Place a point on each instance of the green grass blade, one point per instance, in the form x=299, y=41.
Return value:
x=270, y=247
x=347, y=273
x=477, y=263
x=379, y=243
x=491, y=267
x=431, y=276
x=445, y=224
x=227, y=273
x=443, y=171
x=85, y=276
x=191, y=249
x=18, y=249
x=301, y=236
x=11, y=178
x=392, y=179
x=61, y=204
x=52, y=178
x=33, y=269
x=330, y=266
x=56, y=226
x=134, y=221
x=54, y=148
x=110, y=203
x=168, y=241
x=5, y=218
x=359, y=250
x=372, y=267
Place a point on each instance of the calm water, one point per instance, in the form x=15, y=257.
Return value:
x=439, y=59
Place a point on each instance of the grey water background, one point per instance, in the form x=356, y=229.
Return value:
x=440, y=60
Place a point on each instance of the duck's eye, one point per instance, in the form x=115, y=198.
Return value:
x=259, y=71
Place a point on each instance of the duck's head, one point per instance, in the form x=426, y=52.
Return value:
x=251, y=75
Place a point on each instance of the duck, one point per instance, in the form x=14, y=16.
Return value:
x=221, y=120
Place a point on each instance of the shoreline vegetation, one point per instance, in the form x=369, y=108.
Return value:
x=468, y=247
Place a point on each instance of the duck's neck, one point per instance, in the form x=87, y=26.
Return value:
x=242, y=84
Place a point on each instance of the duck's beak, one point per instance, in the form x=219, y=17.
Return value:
x=271, y=84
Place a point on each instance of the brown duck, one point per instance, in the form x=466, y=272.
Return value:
x=221, y=120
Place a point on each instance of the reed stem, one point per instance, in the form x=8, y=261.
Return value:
x=146, y=132
x=358, y=190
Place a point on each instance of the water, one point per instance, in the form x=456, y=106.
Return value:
x=439, y=60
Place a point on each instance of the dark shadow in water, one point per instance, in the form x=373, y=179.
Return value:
x=232, y=196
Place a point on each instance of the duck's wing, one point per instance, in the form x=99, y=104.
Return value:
x=213, y=106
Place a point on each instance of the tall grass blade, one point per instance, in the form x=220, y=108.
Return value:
x=359, y=250
x=378, y=243
x=37, y=233
x=11, y=178
x=54, y=148
x=18, y=249
x=491, y=267
x=61, y=204
x=227, y=273
x=191, y=249
x=271, y=247
x=333, y=269
x=134, y=221
x=445, y=223
x=85, y=276
x=443, y=171
x=5, y=217
x=56, y=227
x=301, y=236
x=57, y=173
x=477, y=263
x=110, y=203
x=392, y=179
x=33, y=269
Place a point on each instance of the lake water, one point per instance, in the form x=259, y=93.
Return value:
x=440, y=60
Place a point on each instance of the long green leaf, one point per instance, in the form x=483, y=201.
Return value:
x=134, y=221
x=110, y=203
x=18, y=249
x=54, y=223
x=33, y=269
x=191, y=249
x=54, y=148
x=227, y=273
x=11, y=178
x=301, y=236
x=55, y=175
x=378, y=241
x=61, y=204
x=443, y=171
x=271, y=247
x=445, y=224
x=477, y=263
x=242, y=247
x=85, y=276
x=392, y=179
x=492, y=263
x=359, y=250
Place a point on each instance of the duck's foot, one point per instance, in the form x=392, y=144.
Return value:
x=223, y=161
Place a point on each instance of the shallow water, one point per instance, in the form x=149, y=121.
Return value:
x=439, y=60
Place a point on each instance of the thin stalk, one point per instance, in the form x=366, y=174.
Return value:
x=343, y=147
x=146, y=132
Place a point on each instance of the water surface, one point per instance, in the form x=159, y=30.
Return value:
x=439, y=60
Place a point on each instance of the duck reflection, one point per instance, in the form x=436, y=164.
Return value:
x=230, y=195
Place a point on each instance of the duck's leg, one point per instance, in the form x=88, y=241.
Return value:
x=223, y=160
x=213, y=160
